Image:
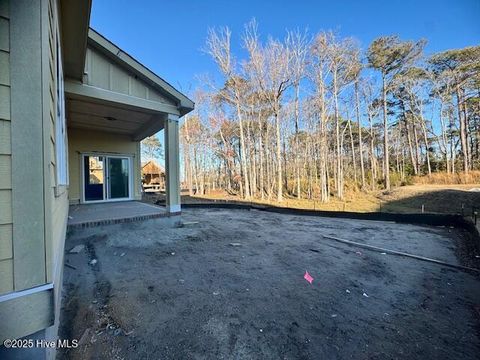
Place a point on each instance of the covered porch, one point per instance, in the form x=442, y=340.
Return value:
x=116, y=104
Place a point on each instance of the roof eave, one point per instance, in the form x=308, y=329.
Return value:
x=75, y=20
x=184, y=104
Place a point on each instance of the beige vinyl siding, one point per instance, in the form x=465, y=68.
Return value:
x=4, y=100
x=87, y=141
x=6, y=241
x=6, y=253
x=103, y=73
x=4, y=30
x=6, y=273
x=5, y=205
x=5, y=68
x=5, y=138
x=5, y=172
x=56, y=198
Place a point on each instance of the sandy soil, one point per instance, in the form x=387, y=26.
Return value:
x=232, y=287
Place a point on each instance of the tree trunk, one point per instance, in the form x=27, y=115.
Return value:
x=338, y=171
x=297, y=147
x=463, y=131
x=410, y=148
x=243, y=157
x=373, y=162
x=261, y=149
x=427, y=152
x=417, y=147
x=268, y=163
x=285, y=174
x=385, y=135
x=279, y=158
x=352, y=144
x=360, y=141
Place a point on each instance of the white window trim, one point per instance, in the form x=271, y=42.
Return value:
x=61, y=140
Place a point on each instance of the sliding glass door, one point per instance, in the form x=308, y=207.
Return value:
x=94, y=177
x=106, y=178
x=118, y=178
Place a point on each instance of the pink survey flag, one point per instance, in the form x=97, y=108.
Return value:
x=308, y=277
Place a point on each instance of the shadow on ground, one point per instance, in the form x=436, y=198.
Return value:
x=409, y=199
x=446, y=201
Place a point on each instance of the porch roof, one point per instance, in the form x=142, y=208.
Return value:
x=100, y=43
x=117, y=94
x=96, y=109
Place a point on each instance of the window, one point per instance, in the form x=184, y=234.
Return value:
x=60, y=124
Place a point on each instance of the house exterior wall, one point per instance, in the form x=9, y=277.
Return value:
x=55, y=194
x=87, y=141
x=32, y=229
x=6, y=247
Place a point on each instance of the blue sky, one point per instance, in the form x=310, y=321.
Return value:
x=167, y=36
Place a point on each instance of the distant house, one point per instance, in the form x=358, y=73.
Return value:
x=153, y=176
x=73, y=110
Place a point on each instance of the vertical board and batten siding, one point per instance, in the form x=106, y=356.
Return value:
x=6, y=247
x=103, y=73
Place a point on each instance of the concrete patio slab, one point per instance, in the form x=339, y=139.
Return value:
x=89, y=215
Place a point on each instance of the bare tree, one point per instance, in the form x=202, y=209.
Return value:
x=307, y=118
x=298, y=46
x=218, y=46
x=270, y=66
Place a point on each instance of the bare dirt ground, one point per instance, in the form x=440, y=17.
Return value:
x=232, y=287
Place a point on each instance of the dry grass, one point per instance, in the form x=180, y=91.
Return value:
x=359, y=202
x=430, y=198
x=447, y=199
x=473, y=177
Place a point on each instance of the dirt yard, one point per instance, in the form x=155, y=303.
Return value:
x=232, y=287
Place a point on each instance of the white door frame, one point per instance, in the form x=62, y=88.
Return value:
x=106, y=177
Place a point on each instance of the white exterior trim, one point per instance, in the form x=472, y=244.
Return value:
x=174, y=208
x=61, y=140
x=17, y=294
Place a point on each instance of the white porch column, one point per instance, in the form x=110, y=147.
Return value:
x=172, y=164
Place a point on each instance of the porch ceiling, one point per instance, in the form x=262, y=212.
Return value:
x=97, y=115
